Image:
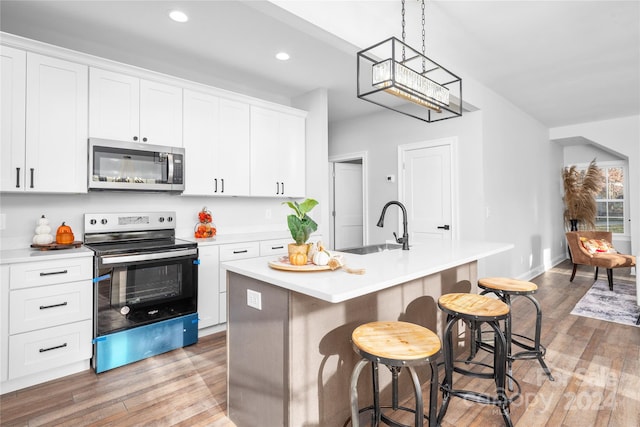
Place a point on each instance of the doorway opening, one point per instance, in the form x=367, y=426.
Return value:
x=348, y=196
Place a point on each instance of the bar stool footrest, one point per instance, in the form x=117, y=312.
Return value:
x=385, y=418
x=484, y=398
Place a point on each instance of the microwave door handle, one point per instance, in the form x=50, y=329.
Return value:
x=170, y=168
x=146, y=257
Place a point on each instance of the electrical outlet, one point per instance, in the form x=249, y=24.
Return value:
x=254, y=299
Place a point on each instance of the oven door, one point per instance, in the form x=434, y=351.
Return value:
x=137, y=289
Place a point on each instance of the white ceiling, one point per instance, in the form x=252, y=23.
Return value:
x=563, y=62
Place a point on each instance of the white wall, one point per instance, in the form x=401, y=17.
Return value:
x=623, y=136
x=507, y=168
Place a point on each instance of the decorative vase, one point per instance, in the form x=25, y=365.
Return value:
x=298, y=253
x=574, y=224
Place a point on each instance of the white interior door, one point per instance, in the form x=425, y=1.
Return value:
x=348, y=211
x=427, y=191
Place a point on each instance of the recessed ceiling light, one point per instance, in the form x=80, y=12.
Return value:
x=178, y=16
x=282, y=56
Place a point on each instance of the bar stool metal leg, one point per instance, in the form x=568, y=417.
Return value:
x=355, y=415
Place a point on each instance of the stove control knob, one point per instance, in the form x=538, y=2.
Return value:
x=103, y=221
x=161, y=219
x=169, y=219
x=93, y=222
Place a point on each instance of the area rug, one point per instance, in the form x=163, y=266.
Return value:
x=619, y=305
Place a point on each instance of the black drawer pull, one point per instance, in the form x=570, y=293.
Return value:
x=54, y=272
x=17, y=177
x=277, y=247
x=31, y=186
x=240, y=252
x=44, y=307
x=42, y=350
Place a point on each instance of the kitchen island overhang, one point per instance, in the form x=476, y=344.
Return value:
x=289, y=362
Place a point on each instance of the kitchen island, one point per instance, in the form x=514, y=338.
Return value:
x=288, y=333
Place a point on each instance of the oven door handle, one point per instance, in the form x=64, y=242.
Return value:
x=105, y=260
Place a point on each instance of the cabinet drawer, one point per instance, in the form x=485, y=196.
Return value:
x=38, y=308
x=39, y=273
x=49, y=348
x=239, y=251
x=274, y=247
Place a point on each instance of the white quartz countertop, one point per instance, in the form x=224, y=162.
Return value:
x=382, y=269
x=28, y=254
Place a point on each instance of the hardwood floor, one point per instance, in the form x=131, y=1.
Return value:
x=596, y=366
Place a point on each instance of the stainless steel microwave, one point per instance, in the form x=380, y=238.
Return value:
x=119, y=165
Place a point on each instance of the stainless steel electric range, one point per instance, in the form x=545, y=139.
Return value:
x=145, y=286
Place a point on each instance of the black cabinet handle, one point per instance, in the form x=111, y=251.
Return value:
x=135, y=138
x=443, y=227
x=144, y=139
x=44, y=307
x=222, y=181
x=42, y=350
x=240, y=252
x=215, y=188
x=31, y=186
x=17, y=177
x=282, y=187
x=277, y=188
x=277, y=247
x=54, y=272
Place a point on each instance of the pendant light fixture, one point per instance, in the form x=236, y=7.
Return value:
x=394, y=75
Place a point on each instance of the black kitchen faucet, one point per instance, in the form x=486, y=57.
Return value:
x=405, y=233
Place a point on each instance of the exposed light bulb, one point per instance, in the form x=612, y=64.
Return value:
x=282, y=56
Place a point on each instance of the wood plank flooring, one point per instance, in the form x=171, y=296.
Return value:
x=596, y=366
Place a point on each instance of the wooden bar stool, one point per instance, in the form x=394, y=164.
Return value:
x=504, y=288
x=396, y=345
x=476, y=309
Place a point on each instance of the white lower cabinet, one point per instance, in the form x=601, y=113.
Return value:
x=233, y=252
x=208, y=286
x=46, y=324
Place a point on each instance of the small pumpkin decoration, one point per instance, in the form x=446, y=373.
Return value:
x=43, y=232
x=64, y=235
x=298, y=258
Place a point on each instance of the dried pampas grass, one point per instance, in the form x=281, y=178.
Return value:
x=580, y=190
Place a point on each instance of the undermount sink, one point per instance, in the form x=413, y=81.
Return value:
x=369, y=249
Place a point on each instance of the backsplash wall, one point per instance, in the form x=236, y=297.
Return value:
x=231, y=215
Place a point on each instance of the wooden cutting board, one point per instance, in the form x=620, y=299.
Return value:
x=56, y=246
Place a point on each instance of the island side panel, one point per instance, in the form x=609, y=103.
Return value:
x=322, y=356
x=257, y=352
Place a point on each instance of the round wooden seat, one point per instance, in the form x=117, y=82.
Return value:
x=478, y=307
x=397, y=345
x=399, y=341
x=505, y=284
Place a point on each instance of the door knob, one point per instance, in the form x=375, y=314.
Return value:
x=443, y=227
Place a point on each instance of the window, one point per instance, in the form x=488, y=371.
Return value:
x=610, y=201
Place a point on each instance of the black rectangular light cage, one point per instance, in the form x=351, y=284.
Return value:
x=395, y=76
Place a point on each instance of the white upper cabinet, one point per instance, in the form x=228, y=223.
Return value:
x=216, y=141
x=127, y=108
x=13, y=76
x=50, y=155
x=277, y=153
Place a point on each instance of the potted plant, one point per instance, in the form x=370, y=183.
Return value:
x=580, y=190
x=301, y=226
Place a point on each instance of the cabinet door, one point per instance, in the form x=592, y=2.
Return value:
x=291, y=135
x=265, y=154
x=200, y=116
x=12, y=144
x=160, y=114
x=233, y=148
x=208, y=286
x=277, y=153
x=56, y=125
x=114, y=105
